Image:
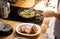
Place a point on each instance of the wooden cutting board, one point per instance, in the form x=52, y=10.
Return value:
x=24, y=3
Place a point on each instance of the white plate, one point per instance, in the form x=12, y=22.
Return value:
x=38, y=27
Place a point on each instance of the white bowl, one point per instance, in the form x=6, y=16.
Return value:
x=38, y=27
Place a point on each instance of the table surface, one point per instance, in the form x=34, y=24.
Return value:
x=14, y=34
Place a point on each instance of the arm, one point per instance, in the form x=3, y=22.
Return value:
x=57, y=15
x=50, y=13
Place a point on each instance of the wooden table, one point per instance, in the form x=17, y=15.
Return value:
x=14, y=34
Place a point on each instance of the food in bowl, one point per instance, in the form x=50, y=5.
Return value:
x=27, y=14
x=28, y=29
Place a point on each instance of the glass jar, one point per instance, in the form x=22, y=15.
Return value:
x=4, y=8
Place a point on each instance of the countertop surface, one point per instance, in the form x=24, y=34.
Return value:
x=44, y=27
x=14, y=34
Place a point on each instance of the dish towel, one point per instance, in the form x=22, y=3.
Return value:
x=50, y=29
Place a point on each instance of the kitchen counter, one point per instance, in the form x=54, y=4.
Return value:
x=44, y=27
x=14, y=34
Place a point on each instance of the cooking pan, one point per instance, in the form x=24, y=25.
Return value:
x=36, y=13
x=28, y=13
x=38, y=19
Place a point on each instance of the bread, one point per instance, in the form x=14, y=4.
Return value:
x=34, y=28
x=22, y=29
x=28, y=29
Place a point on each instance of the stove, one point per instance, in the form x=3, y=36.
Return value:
x=15, y=17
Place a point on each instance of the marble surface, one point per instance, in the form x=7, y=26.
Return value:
x=52, y=5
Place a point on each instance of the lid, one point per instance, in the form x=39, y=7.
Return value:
x=5, y=29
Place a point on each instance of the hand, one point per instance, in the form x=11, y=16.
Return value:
x=48, y=13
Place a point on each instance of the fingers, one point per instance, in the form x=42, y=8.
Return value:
x=45, y=13
x=48, y=13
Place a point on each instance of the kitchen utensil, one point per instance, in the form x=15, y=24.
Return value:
x=4, y=8
x=5, y=29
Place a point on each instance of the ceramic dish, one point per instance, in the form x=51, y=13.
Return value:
x=37, y=26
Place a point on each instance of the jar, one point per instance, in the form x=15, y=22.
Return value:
x=4, y=8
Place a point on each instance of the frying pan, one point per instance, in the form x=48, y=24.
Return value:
x=21, y=10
